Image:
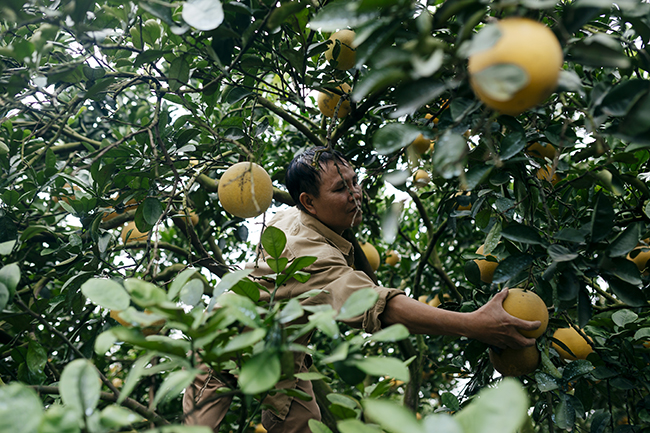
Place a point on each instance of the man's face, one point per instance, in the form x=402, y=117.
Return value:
x=338, y=204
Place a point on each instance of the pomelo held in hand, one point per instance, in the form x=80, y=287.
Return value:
x=245, y=190
x=520, y=70
x=526, y=305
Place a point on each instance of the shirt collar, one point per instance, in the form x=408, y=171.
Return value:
x=337, y=240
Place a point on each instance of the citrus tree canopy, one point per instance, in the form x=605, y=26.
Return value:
x=129, y=112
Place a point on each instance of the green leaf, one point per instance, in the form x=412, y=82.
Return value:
x=602, y=219
x=104, y=342
x=496, y=410
x=558, y=253
x=135, y=374
x=510, y=267
x=476, y=176
x=565, y=414
x=492, y=238
x=179, y=72
x=296, y=265
x=575, y=369
x=277, y=265
x=391, y=416
x=512, y=144
x=274, y=240
x=358, y=303
x=246, y=287
x=375, y=81
x=244, y=340
x=174, y=384
x=192, y=292
x=570, y=235
x=114, y=417
x=36, y=357
x=229, y=280
x=260, y=373
x=600, y=50
x=442, y=422
x=151, y=210
x=414, y=94
x=624, y=269
x=324, y=321
x=203, y=14
x=501, y=81
x=180, y=281
x=290, y=312
x=318, y=427
x=80, y=387
x=642, y=334
x=450, y=401
x=7, y=247
x=394, y=136
x=106, y=293
x=281, y=14
x=145, y=294
x=341, y=15
x=391, y=334
x=449, y=155
x=356, y=426
x=383, y=366
x=622, y=97
x=546, y=382
x=20, y=409
x=626, y=241
x=10, y=277
x=522, y=233
x=4, y=296
x=59, y=419
x=241, y=308
x=631, y=295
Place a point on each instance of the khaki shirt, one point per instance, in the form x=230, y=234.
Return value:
x=332, y=274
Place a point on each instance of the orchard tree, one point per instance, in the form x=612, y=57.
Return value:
x=119, y=118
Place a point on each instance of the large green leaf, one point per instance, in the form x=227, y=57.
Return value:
x=394, y=136
x=383, y=366
x=497, y=410
x=358, y=303
x=106, y=293
x=274, y=240
x=449, y=155
x=341, y=15
x=626, y=241
x=522, y=233
x=602, y=219
x=20, y=409
x=260, y=373
x=391, y=416
x=80, y=387
x=174, y=384
x=510, y=267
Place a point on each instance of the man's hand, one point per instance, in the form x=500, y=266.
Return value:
x=493, y=325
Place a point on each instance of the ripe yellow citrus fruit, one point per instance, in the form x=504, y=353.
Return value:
x=421, y=178
x=371, y=254
x=486, y=267
x=134, y=235
x=245, y=195
x=574, y=341
x=259, y=428
x=131, y=204
x=463, y=207
x=435, y=119
x=515, y=362
x=392, y=258
x=541, y=150
x=327, y=102
x=641, y=259
x=526, y=305
x=435, y=302
x=347, y=55
x=420, y=145
x=544, y=173
x=531, y=46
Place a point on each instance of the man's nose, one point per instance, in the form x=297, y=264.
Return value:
x=356, y=192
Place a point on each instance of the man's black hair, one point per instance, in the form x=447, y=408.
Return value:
x=303, y=173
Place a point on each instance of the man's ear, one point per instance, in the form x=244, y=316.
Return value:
x=307, y=202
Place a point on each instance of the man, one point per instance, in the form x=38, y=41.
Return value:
x=328, y=202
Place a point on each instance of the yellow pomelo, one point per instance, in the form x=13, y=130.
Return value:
x=641, y=259
x=541, y=151
x=392, y=258
x=526, y=305
x=574, y=341
x=371, y=254
x=421, y=178
x=531, y=46
x=134, y=235
x=259, y=428
x=544, y=173
x=515, y=362
x=420, y=145
x=486, y=267
x=327, y=102
x=243, y=195
x=347, y=55
x=435, y=302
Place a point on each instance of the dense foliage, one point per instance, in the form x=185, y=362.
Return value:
x=120, y=111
